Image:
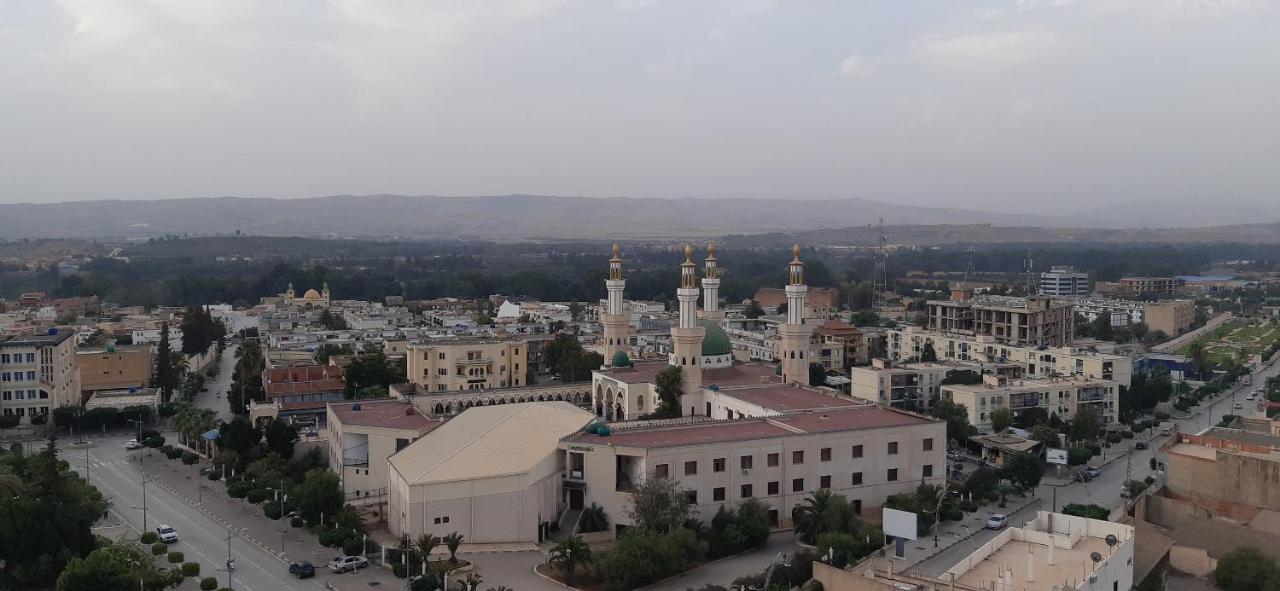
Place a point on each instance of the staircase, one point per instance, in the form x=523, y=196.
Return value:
x=568, y=523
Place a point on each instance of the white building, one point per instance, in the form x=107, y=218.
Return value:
x=1064, y=397
x=909, y=385
x=1064, y=281
x=1120, y=312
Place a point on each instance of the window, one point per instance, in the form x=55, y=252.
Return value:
x=824, y=454
x=772, y=460
x=928, y=471
x=717, y=493
x=691, y=496
x=857, y=451
x=690, y=468
x=773, y=487
x=746, y=491
x=893, y=475
x=928, y=444
x=857, y=479
x=440, y=520
x=745, y=461
x=824, y=482
x=797, y=457
x=893, y=448
x=797, y=485
x=442, y=355
x=661, y=471
x=717, y=465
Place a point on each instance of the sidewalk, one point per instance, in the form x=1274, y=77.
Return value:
x=951, y=533
x=248, y=521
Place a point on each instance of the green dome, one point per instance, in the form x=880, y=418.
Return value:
x=621, y=359
x=716, y=342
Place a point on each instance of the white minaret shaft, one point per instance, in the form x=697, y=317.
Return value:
x=711, y=285
x=794, y=334
x=617, y=323
x=686, y=338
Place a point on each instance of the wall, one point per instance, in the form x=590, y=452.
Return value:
x=1193, y=561
x=124, y=368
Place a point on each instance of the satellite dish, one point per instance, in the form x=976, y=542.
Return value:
x=1112, y=540
x=1095, y=556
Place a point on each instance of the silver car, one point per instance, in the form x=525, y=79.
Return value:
x=342, y=564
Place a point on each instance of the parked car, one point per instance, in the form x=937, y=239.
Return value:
x=1124, y=491
x=955, y=455
x=302, y=570
x=342, y=564
x=1249, y=397
x=132, y=444
x=1238, y=405
x=997, y=521
x=1093, y=471
x=1140, y=445
x=167, y=534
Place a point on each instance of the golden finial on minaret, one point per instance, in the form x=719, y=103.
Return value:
x=615, y=263
x=687, y=275
x=796, y=267
x=710, y=269
x=688, y=252
x=616, y=250
x=795, y=252
x=711, y=250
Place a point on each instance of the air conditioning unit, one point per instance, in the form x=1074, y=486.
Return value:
x=746, y=471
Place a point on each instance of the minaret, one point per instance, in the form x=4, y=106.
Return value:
x=617, y=323
x=794, y=334
x=711, y=286
x=686, y=337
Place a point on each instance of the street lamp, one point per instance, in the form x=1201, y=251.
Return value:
x=145, y=480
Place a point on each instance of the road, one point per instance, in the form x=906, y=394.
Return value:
x=216, y=397
x=201, y=538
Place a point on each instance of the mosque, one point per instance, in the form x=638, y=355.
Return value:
x=700, y=347
x=310, y=299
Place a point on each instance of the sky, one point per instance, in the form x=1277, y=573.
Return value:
x=1043, y=106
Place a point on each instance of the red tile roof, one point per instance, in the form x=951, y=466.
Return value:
x=851, y=419
x=787, y=398
x=303, y=379
x=740, y=374
x=385, y=414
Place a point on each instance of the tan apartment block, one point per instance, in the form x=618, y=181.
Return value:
x=1037, y=322
x=114, y=367
x=1173, y=317
x=1225, y=469
x=904, y=345
x=909, y=385
x=362, y=437
x=467, y=364
x=38, y=373
x=1064, y=397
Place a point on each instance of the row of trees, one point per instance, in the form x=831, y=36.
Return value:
x=566, y=357
x=246, y=378
x=200, y=330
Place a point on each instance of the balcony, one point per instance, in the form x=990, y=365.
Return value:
x=475, y=361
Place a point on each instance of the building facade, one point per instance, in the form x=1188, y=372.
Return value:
x=114, y=367
x=1034, y=321
x=909, y=385
x=1173, y=317
x=1065, y=398
x=38, y=373
x=363, y=435
x=1064, y=281
x=448, y=365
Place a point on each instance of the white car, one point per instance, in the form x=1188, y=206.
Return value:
x=997, y=521
x=343, y=564
x=167, y=534
x=1238, y=405
x=132, y=444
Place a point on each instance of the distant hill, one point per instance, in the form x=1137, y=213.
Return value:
x=508, y=217
x=1268, y=233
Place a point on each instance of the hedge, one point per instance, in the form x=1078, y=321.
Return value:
x=149, y=538
x=258, y=495
x=238, y=489
x=176, y=557
x=353, y=546
x=208, y=584
x=189, y=458
x=159, y=548
x=191, y=569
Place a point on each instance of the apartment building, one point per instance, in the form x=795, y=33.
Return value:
x=299, y=392
x=1064, y=397
x=447, y=365
x=1034, y=321
x=1173, y=317
x=38, y=373
x=114, y=367
x=906, y=344
x=838, y=345
x=1158, y=286
x=1117, y=311
x=821, y=303
x=1064, y=281
x=864, y=452
x=909, y=385
x=363, y=434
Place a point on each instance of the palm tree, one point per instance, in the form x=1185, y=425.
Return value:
x=10, y=485
x=593, y=519
x=452, y=541
x=807, y=517
x=425, y=544
x=568, y=554
x=471, y=583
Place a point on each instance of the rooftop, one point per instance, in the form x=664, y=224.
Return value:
x=787, y=398
x=382, y=414
x=738, y=374
x=57, y=337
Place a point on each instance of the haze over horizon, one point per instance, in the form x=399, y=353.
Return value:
x=1052, y=107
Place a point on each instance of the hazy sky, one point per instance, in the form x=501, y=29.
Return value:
x=1036, y=105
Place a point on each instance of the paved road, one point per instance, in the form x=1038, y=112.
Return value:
x=216, y=397
x=725, y=571
x=202, y=539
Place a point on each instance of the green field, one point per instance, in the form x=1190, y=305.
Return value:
x=1226, y=341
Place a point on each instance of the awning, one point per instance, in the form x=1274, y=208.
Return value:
x=211, y=435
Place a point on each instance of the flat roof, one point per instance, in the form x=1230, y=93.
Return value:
x=1262, y=439
x=787, y=398
x=382, y=414
x=38, y=339
x=1066, y=566
x=855, y=418
x=739, y=374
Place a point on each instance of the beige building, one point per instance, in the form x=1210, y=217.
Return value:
x=622, y=393
x=114, y=367
x=822, y=302
x=1226, y=470
x=863, y=452
x=38, y=373
x=906, y=344
x=363, y=434
x=1035, y=321
x=1064, y=397
x=467, y=364
x=1174, y=317
x=838, y=345
x=1158, y=286
x=491, y=474
x=909, y=385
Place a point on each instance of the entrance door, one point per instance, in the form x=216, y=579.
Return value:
x=708, y=409
x=857, y=506
x=575, y=498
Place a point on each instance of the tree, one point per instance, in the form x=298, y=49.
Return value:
x=425, y=545
x=452, y=541
x=1023, y=471
x=332, y=321
x=114, y=566
x=927, y=354
x=1046, y=435
x=371, y=369
x=965, y=377
x=782, y=308
x=817, y=375
x=568, y=554
x=239, y=436
x=575, y=311
x=1102, y=327
x=753, y=310
x=1086, y=425
x=657, y=505
x=957, y=418
x=669, y=388
x=280, y=437
x=1028, y=417
x=593, y=519
x=1090, y=511
x=166, y=377
x=1199, y=355
x=1001, y=419
x=319, y=493
x=1246, y=569
x=982, y=482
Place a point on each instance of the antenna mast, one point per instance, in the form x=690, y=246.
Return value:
x=880, y=283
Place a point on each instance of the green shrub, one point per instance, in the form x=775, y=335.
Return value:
x=208, y=584
x=397, y=569
x=271, y=509
x=1113, y=437
x=1126, y=434
x=176, y=557
x=165, y=449
x=1149, y=480
x=154, y=441
x=1161, y=415
x=1152, y=462
x=1078, y=456
x=191, y=569
x=953, y=514
x=353, y=546
x=159, y=548
x=213, y=474
x=173, y=453
x=189, y=458
x=297, y=522
x=1090, y=511
x=149, y=538
x=968, y=506
x=258, y=495
x=332, y=538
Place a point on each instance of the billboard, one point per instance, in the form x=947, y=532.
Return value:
x=1054, y=455
x=899, y=524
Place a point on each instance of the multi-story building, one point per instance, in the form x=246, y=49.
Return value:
x=114, y=367
x=38, y=373
x=1225, y=470
x=363, y=434
x=838, y=345
x=1064, y=281
x=1173, y=317
x=906, y=344
x=822, y=301
x=909, y=385
x=864, y=452
x=1064, y=397
x=299, y=392
x=1118, y=312
x=1140, y=287
x=1034, y=321
x=446, y=365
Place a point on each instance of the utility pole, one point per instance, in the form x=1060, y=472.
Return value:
x=230, y=561
x=880, y=281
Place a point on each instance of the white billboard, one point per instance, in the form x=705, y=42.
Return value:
x=899, y=524
x=1054, y=455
